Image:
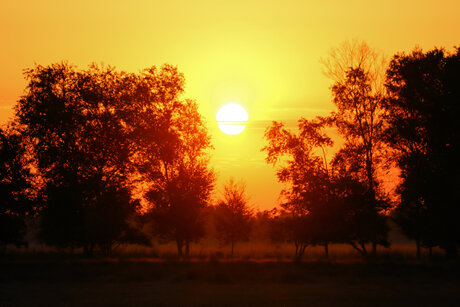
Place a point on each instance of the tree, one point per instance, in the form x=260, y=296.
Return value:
x=289, y=227
x=178, y=205
x=75, y=125
x=357, y=222
x=15, y=189
x=170, y=152
x=423, y=131
x=358, y=95
x=305, y=170
x=97, y=133
x=233, y=218
x=356, y=54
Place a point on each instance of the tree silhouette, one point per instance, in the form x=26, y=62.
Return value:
x=287, y=226
x=305, y=170
x=233, y=217
x=423, y=131
x=97, y=133
x=15, y=189
x=353, y=54
x=75, y=125
x=357, y=222
x=170, y=153
x=358, y=73
x=360, y=121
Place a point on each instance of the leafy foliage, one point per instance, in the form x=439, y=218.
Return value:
x=233, y=217
x=170, y=153
x=307, y=206
x=423, y=130
x=359, y=119
x=15, y=189
x=96, y=136
x=75, y=126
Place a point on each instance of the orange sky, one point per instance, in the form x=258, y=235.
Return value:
x=262, y=54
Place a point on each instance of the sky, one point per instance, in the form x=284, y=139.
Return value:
x=264, y=55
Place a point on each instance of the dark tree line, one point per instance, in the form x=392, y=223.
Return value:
x=96, y=154
x=325, y=201
x=423, y=109
x=91, y=137
x=408, y=117
x=15, y=189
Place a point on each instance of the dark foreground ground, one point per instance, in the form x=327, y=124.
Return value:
x=127, y=283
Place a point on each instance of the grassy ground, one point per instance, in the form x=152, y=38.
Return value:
x=243, y=250
x=100, y=282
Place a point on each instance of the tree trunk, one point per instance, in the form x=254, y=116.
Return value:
x=179, y=247
x=233, y=243
x=417, y=242
x=374, y=248
x=300, y=251
x=356, y=247
x=303, y=250
x=88, y=249
x=363, y=247
x=326, y=250
x=187, y=249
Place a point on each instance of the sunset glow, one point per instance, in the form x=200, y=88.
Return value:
x=229, y=153
x=265, y=54
x=232, y=118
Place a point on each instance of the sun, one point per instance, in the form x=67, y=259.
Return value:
x=232, y=119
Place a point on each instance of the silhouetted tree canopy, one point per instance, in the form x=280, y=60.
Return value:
x=345, y=193
x=359, y=97
x=75, y=125
x=233, y=217
x=15, y=189
x=423, y=112
x=88, y=150
x=307, y=207
x=357, y=221
x=355, y=54
x=98, y=137
x=170, y=153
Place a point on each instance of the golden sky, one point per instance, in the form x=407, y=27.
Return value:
x=263, y=54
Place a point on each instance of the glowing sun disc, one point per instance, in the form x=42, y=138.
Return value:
x=232, y=118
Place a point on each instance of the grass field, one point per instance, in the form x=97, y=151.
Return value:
x=101, y=282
